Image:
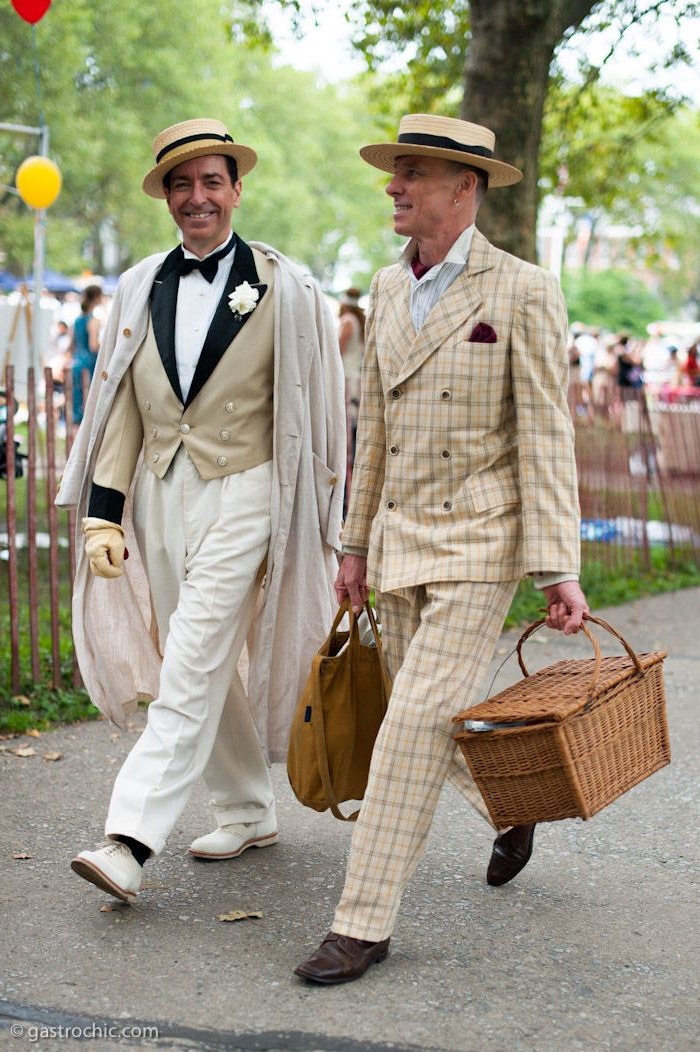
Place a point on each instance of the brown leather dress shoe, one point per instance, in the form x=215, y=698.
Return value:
x=511, y=853
x=340, y=959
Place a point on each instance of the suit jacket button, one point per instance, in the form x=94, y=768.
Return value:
x=445, y=454
x=447, y=505
x=184, y=429
x=446, y=395
x=222, y=461
x=393, y=450
x=391, y=505
x=395, y=392
x=104, y=375
x=126, y=332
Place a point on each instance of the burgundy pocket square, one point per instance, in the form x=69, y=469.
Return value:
x=482, y=333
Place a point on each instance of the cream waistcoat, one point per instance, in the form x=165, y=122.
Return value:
x=225, y=429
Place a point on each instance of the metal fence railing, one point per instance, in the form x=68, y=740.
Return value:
x=639, y=487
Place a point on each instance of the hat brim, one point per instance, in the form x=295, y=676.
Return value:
x=244, y=157
x=383, y=155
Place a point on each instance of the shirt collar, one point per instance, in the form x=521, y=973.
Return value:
x=458, y=253
x=191, y=255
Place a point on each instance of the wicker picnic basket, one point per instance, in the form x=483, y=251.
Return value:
x=568, y=740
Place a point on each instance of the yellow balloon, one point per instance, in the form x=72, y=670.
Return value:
x=38, y=182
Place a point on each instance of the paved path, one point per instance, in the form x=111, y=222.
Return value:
x=594, y=946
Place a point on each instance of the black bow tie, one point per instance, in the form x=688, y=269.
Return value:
x=207, y=266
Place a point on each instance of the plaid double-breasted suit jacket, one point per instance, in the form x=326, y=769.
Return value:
x=465, y=464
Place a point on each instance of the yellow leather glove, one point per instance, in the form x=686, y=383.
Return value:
x=104, y=546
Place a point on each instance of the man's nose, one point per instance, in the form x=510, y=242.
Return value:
x=198, y=192
x=392, y=187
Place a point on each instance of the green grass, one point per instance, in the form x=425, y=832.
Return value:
x=42, y=708
x=606, y=586
x=36, y=705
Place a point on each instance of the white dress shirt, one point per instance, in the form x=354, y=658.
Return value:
x=197, y=301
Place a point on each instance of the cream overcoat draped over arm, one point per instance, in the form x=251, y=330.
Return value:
x=112, y=621
x=465, y=465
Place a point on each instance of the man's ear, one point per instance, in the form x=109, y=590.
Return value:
x=469, y=181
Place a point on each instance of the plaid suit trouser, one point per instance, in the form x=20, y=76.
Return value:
x=438, y=640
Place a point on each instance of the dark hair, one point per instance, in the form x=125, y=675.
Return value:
x=91, y=294
x=230, y=164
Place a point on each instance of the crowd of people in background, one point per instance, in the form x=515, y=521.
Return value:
x=606, y=369
x=76, y=343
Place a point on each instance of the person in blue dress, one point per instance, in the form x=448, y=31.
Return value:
x=86, y=344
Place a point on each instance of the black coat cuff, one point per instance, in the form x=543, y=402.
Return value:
x=106, y=503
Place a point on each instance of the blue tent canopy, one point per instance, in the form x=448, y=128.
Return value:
x=53, y=282
x=8, y=282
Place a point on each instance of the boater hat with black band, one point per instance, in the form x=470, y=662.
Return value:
x=425, y=135
x=197, y=138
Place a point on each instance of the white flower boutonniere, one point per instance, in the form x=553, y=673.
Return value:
x=243, y=299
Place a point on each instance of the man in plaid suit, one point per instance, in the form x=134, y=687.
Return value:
x=464, y=481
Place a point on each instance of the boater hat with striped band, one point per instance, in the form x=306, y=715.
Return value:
x=197, y=138
x=425, y=135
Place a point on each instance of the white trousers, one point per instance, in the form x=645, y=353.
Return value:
x=438, y=641
x=202, y=544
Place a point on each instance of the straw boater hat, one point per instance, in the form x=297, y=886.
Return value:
x=197, y=138
x=426, y=135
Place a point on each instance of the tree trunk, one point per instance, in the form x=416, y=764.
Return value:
x=506, y=76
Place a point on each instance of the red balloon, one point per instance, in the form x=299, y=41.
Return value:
x=31, y=10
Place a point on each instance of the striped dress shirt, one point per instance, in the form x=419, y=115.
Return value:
x=427, y=290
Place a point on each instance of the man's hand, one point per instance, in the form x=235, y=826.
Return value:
x=567, y=605
x=104, y=546
x=352, y=581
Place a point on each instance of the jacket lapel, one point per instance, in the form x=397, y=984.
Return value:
x=225, y=326
x=462, y=299
x=163, y=305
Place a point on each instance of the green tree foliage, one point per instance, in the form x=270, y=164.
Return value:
x=612, y=300
x=106, y=77
x=493, y=62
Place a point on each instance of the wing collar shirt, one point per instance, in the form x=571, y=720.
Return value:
x=197, y=301
x=427, y=290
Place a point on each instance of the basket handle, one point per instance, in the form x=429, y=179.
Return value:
x=594, y=642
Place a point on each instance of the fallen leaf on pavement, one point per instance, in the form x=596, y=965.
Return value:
x=24, y=750
x=51, y=757
x=236, y=915
x=21, y=856
x=33, y=733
